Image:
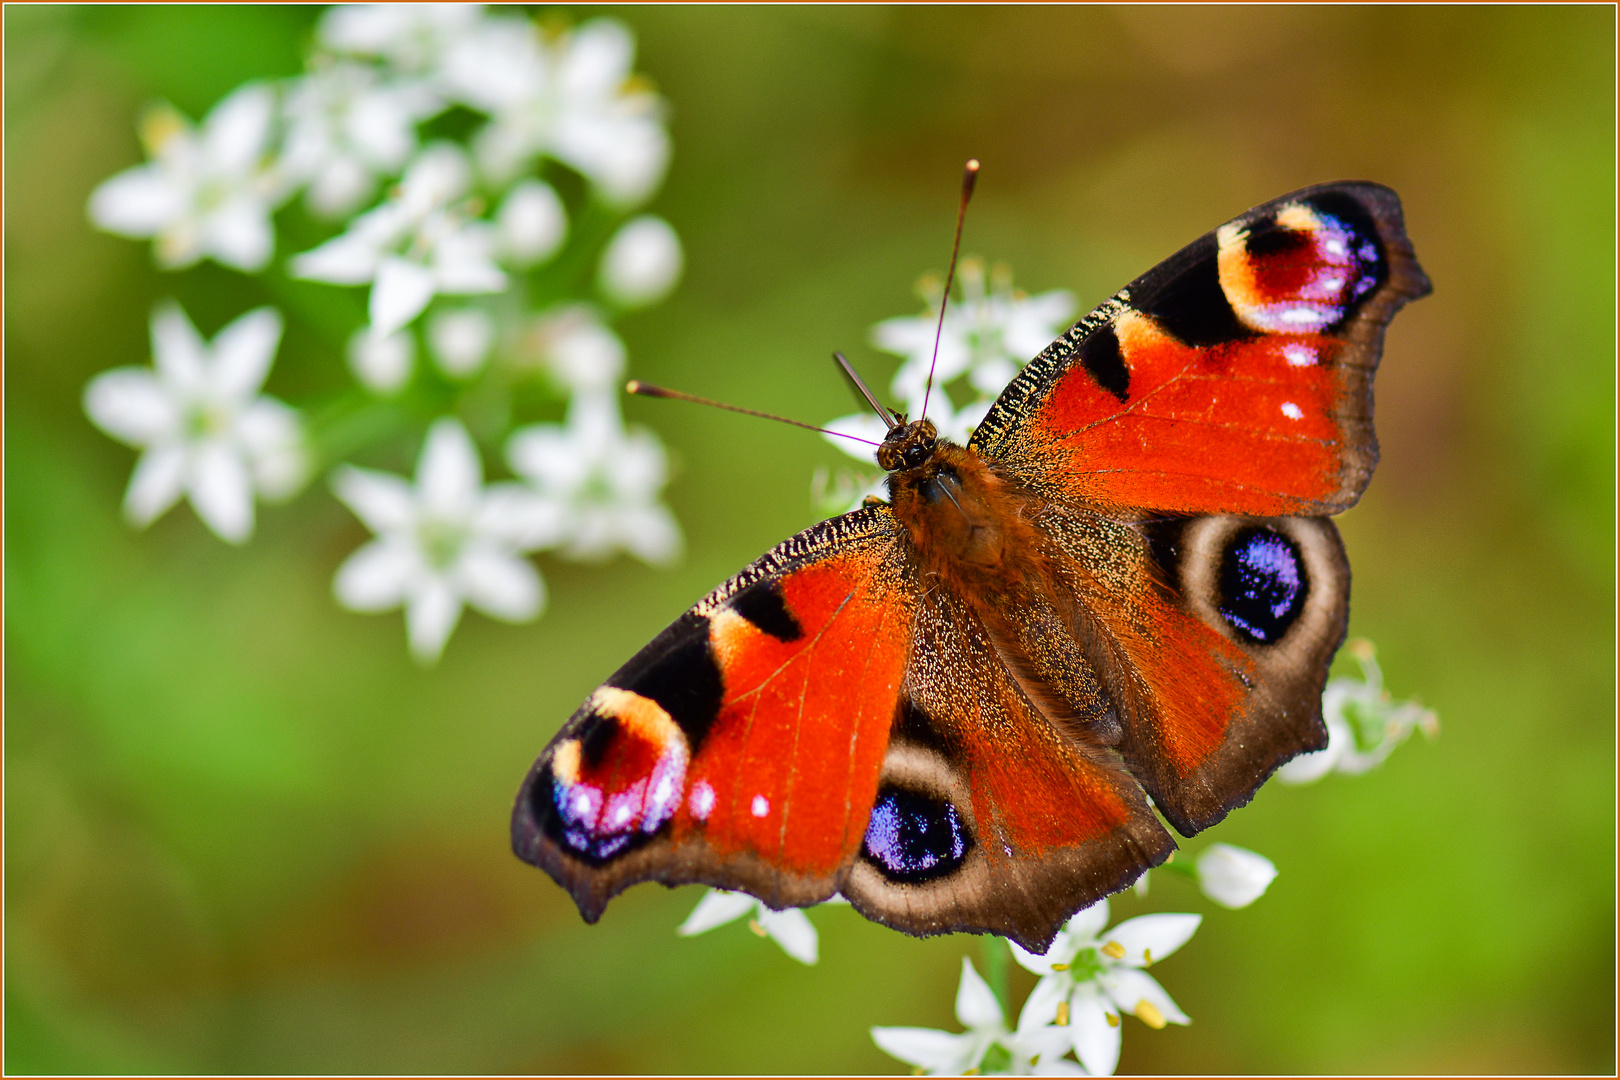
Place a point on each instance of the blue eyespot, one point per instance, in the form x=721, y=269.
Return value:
x=1262, y=585
x=913, y=837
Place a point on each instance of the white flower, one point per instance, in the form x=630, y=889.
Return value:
x=206, y=429
x=641, y=263
x=461, y=339
x=1364, y=723
x=382, y=363
x=1233, y=877
x=442, y=542
x=604, y=480
x=572, y=99
x=412, y=37
x=1099, y=976
x=531, y=223
x=413, y=246
x=988, y=334
x=789, y=928
x=346, y=126
x=205, y=193
x=986, y=1048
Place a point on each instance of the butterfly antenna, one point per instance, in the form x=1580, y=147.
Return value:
x=970, y=174
x=635, y=386
x=889, y=417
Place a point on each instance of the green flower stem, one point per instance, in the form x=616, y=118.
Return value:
x=998, y=970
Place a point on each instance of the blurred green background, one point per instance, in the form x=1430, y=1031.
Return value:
x=245, y=833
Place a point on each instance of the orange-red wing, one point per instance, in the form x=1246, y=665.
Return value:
x=1235, y=377
x=742, y=747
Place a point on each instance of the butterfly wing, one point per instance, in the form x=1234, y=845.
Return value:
x=1176, y=430
x=988, y=817
x=1235, y=377
x=742, y=747
x=1212, y=636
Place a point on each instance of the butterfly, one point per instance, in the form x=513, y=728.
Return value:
x=953, y=707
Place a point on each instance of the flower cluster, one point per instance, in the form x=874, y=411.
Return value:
x=425, y=139
x=1090, y=978
x=990, y=330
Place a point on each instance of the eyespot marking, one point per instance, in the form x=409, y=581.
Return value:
x=914, y=837
x=1306, y=267
x=613, y=788
x=1262, y=585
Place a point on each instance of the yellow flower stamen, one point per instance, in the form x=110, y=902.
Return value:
x=1063, y=1014
x=753, y=924
x=1060, y=967
x=157, y=126
x=1113, y=1021
x=1147, y=957
x=1114, y=949
x=1150, y=1016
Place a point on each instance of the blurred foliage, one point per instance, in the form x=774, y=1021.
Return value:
x=245, y=833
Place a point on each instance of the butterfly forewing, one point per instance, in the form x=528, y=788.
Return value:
x=742, y=747
x=1235, y=377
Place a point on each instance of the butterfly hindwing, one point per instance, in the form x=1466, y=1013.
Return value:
x=988, y=816
x=742, y=747
x=1235, y=377
x=1211, y=636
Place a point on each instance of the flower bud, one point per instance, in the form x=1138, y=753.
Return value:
x=1232, y=876
x=461, y=339
x=382, y=363
x=642, y=262
x=531, y=223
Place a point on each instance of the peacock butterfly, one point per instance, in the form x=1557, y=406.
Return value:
x=952, y=707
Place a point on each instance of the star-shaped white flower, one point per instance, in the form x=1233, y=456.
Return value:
x=205, y=193
x=986, y=1047
x=412, y=247
x=571, y=98
x=790, y=928
x=411, y=37
x=1364, y=723
x=1090, y=977
x=206, y=430
x=988, y=334
x=443, y=541
x=603, y=480
x=347, y=125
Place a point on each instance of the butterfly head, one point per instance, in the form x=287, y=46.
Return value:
x=907, y=446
